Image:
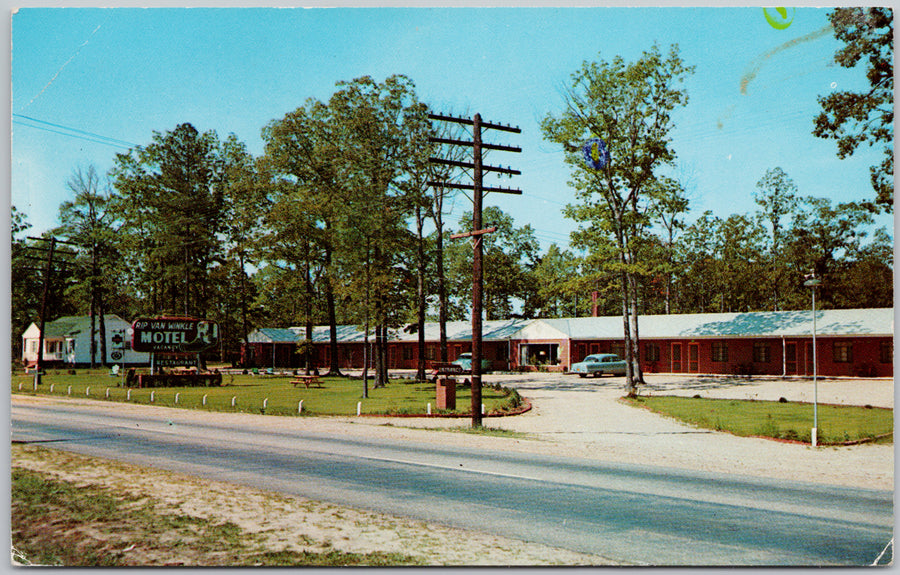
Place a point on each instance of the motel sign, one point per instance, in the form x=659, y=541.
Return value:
x=174, y=335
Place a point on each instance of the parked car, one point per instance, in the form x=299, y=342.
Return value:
x=465, y=362
x=598, y=364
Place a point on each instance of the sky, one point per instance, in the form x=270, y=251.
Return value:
x=90, y=83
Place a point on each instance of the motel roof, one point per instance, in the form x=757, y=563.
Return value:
x=834, y=323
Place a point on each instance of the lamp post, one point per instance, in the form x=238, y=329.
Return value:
x=814, y=282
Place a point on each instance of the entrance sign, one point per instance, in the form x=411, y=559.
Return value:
x=595, y=153
x=172, y=334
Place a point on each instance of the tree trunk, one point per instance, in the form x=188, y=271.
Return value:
x=333, y=367
x=635, y=339
x=307, y=284
x=439, y=261
x=93, y=307
x=102, y=315
x=420, y=296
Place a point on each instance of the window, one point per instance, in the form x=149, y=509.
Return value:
x=652, y=352
x=407, y=353
x=761, y=352
x=843, y=352
x=619, y=349
x=719, y=351
x=887, y=352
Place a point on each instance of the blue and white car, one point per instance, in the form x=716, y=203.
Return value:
x=465, y=362
x=599, y=364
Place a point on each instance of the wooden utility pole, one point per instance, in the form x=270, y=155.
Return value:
x=48, y=271
x=477, y=232
x=40, y=357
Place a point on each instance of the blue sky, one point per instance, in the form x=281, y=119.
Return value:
x=124, y=73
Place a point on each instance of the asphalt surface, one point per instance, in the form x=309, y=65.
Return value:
x=630, y=513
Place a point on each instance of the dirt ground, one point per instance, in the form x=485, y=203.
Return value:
x=570, y=417
x=278, y=522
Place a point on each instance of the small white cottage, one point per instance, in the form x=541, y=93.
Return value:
x=68, y=341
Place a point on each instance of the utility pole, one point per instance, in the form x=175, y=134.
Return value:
x=477, y=232
x=48, y=271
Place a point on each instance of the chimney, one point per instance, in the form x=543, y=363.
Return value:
x=594, y=307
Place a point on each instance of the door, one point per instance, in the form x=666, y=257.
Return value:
x=676, y=358
x=694, y=358
x=790, y=358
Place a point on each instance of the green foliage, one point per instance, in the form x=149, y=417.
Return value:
x=852, y=118
x=169, y=202
x=510, y=255
x=24, y=283
x=629, y=106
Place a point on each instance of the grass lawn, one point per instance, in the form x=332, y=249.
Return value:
x=790, y=420
x=336, y=396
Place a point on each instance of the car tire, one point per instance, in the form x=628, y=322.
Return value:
x=582, y=375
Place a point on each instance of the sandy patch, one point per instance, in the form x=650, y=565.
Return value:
x=281, y=522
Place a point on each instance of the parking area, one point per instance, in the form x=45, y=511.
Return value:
x=584, y=418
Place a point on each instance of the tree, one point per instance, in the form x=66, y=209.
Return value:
x=87, y=221
x=509, y=255
x=851, y=118
x=25, y=298
x=379, y=128
x=245, y=205
x=553, y=294
x=439, y=194
x=866, y=280
x=739, y=252
x=670, y=203
x=629, y=107
x=697, y=284
x=777, y=197
x=302, y=152
x=169, y=203
x=823, y=239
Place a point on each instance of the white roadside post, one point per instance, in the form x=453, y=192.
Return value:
x=813, y=283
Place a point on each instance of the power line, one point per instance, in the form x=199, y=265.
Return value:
x=72, y=132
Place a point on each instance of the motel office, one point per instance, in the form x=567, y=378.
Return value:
x=856, y=343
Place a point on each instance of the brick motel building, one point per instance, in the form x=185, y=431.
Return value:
x=850, y=343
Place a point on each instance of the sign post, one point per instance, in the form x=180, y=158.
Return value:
x=118, y=353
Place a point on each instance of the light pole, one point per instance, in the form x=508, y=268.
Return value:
x=814, y=282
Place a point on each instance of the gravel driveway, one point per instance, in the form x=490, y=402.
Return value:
x=583, y=418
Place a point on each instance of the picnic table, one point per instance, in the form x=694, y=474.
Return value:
x=307, y=380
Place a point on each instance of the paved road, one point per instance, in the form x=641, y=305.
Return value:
x=630, y=513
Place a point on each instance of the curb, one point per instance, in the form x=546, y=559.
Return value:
x=524, y=408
